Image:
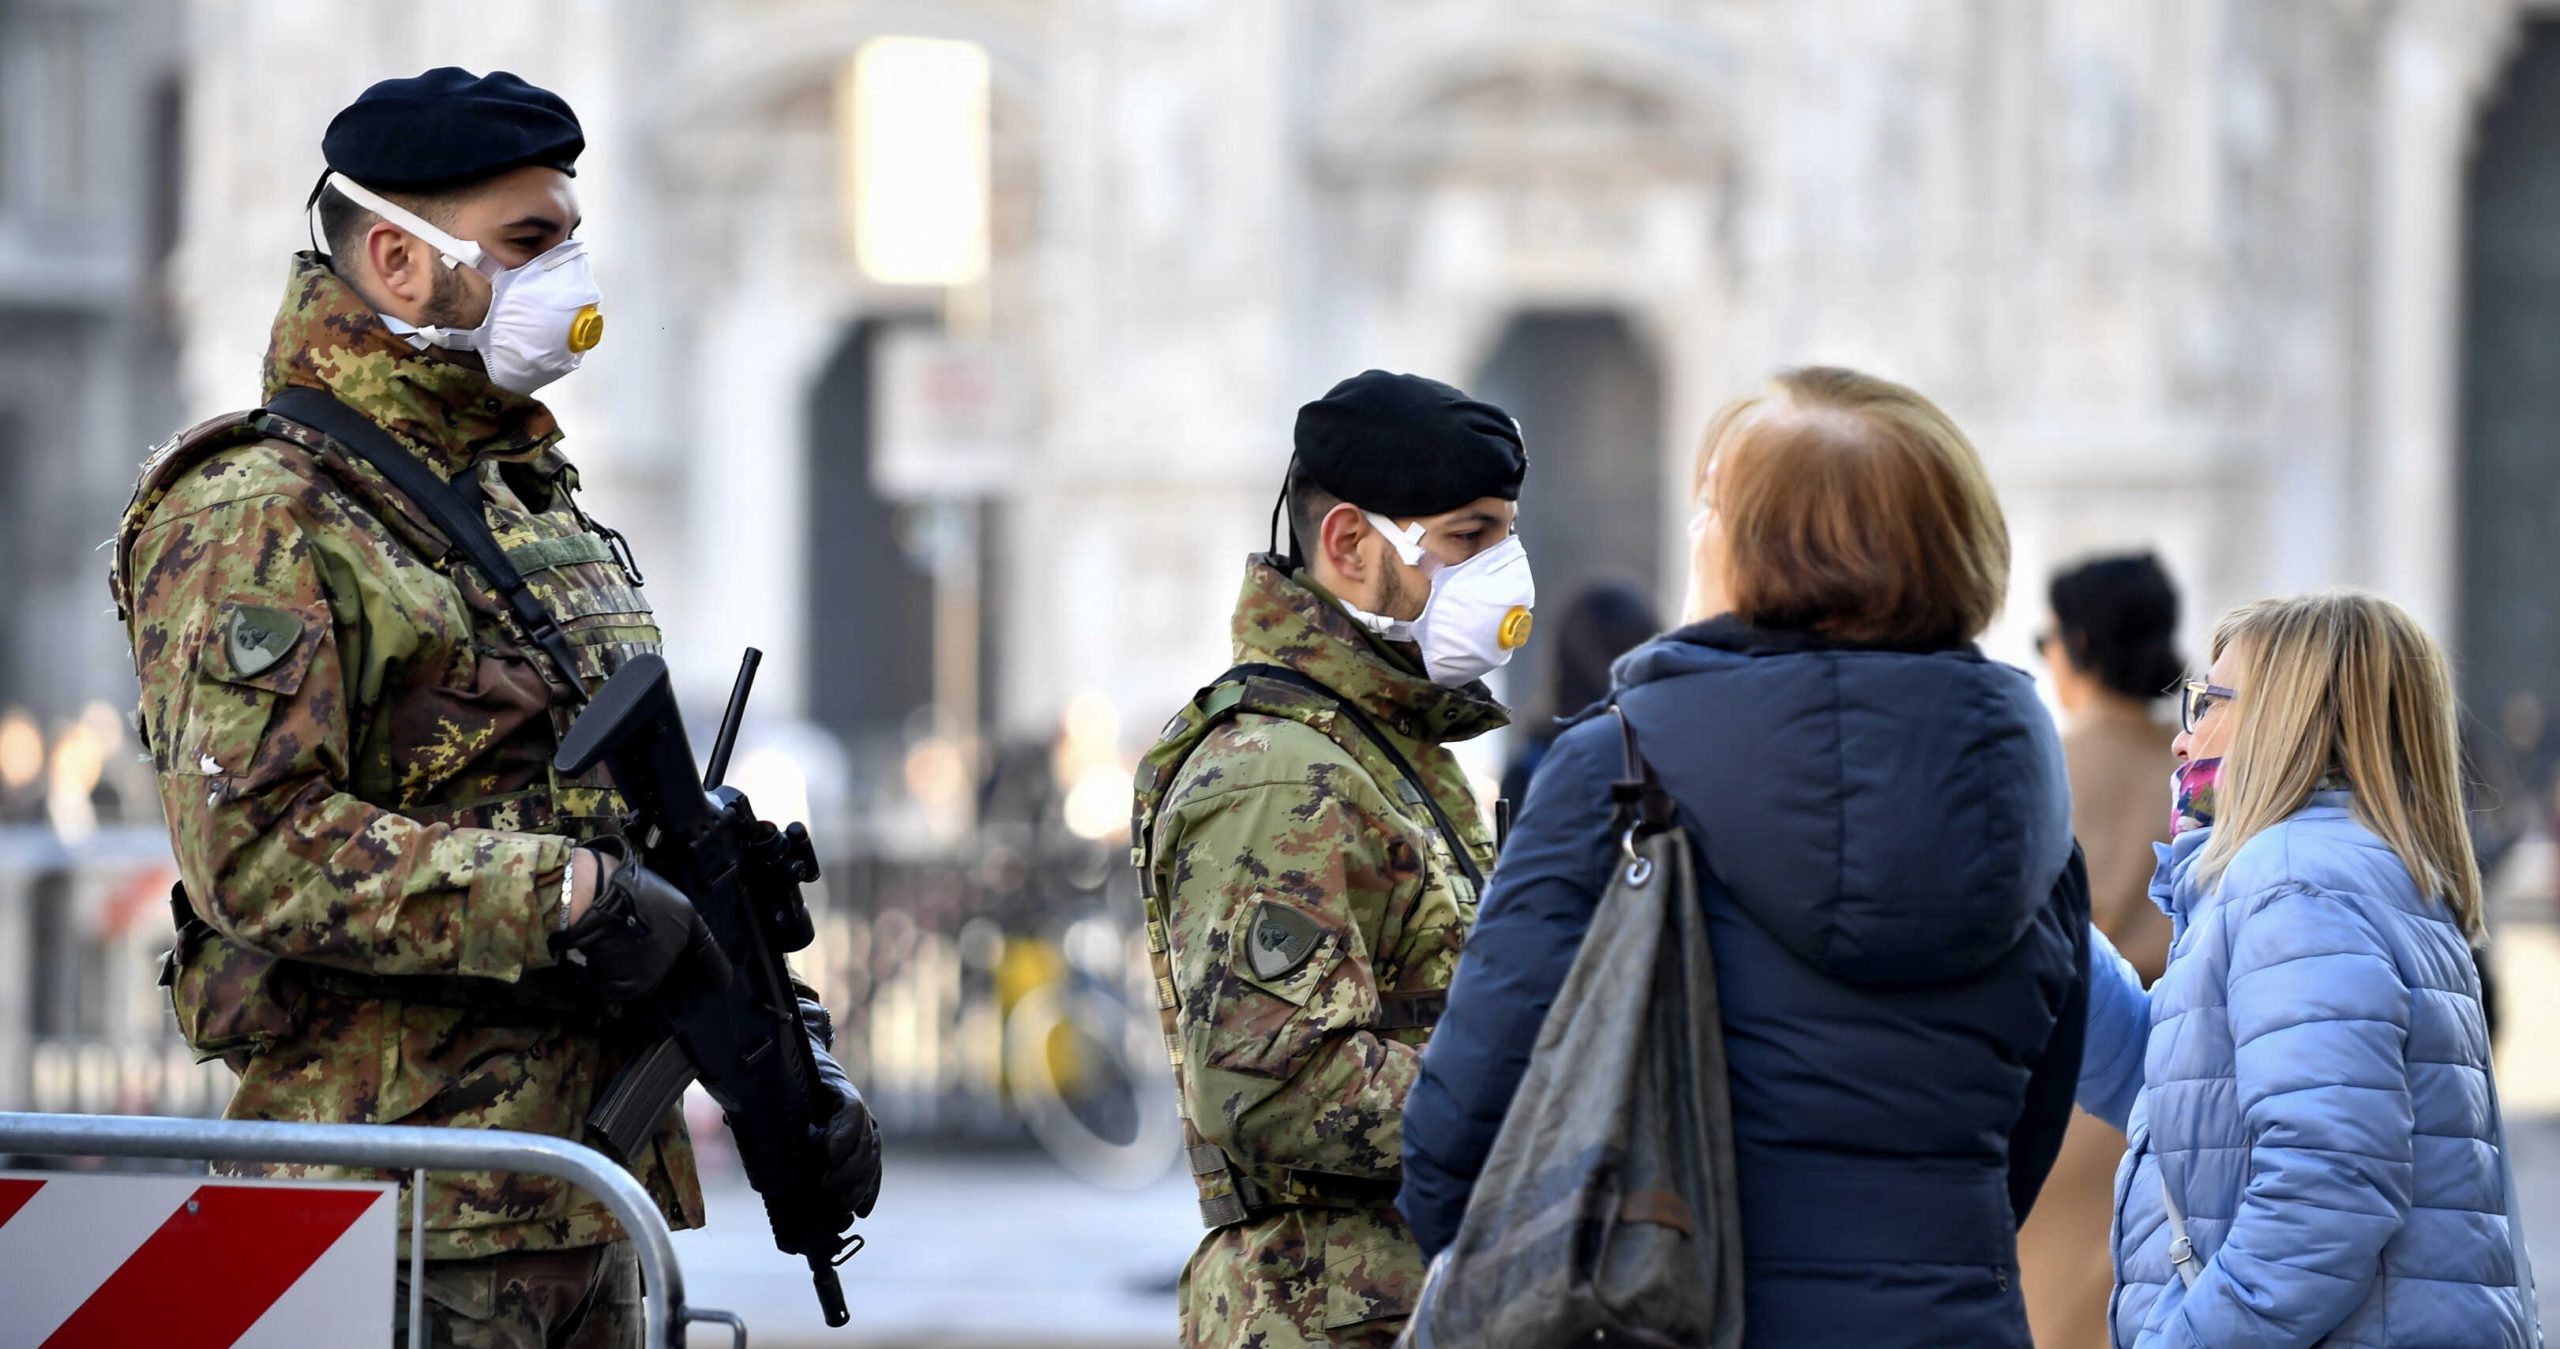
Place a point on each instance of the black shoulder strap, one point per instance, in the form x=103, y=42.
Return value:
x=1448, y=827
x=451, y=509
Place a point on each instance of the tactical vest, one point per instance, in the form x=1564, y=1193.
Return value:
x=230, y=1000
x=1232, y=1192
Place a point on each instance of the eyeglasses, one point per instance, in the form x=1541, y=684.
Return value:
x=2196, y=697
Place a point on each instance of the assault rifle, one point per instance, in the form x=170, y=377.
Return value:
x=746, y=1041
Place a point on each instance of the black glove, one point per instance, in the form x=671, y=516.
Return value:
x=639, y=932
x=850, y=1138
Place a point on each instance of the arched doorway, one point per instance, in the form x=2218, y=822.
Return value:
x=1588, y=395
x=2509, y=634
x=870, y=614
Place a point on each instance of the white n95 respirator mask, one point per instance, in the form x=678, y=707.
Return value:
x=1478, y=613
x=543, y=316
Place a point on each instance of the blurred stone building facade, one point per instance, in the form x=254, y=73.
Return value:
x=2190, y=272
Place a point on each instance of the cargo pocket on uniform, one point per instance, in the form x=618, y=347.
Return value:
x=251, y=657
x=1263, y=1015
x=230, y=1002
x=1282, y=949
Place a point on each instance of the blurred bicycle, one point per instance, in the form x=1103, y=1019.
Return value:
x=1085, y=1058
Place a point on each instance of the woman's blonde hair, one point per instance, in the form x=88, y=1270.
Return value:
x=2345, y=687
x=1853, y=507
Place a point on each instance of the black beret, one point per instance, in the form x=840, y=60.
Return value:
x=1405, y=446
x=449, y=127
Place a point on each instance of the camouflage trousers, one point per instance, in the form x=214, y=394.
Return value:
x=1302, y=1277
x=587, y=1297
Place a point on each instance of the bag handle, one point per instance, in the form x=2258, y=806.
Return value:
x=1644, y=807
x=2182, y=1248
x=1642, y=804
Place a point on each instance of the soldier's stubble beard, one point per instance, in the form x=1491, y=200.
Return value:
x=1395, y=595
x=450, y=305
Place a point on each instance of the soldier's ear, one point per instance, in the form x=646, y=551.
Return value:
x=401, y=264
x=1341, y=539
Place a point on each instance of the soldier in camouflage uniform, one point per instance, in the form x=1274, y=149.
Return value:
x=354, y=733
x=1311, y=856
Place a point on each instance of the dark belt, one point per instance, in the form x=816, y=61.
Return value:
x=1412, y=1011
x=1254, y=1194
x=491, y=1001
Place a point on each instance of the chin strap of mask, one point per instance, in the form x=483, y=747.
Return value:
x=311, y=215
x=454, y=252
x=1280, y=507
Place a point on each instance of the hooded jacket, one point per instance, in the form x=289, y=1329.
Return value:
x=2311, y=1076
x=1887, y=869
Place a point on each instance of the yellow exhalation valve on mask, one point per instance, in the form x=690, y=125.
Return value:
x=1514, y=632
x=586, y=329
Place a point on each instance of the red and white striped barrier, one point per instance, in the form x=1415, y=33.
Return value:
x=110, y=1261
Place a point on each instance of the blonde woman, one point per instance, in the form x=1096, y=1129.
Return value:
x=2316, y=1151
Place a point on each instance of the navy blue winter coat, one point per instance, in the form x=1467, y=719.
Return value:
x=1899, y=928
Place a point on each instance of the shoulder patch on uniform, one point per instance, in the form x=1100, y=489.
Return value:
x=258, y=637
x=1280, y=941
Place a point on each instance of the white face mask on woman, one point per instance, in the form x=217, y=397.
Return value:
x=1478, y=612
x=543, y=316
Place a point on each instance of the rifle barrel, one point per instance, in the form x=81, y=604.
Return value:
x=718, y=771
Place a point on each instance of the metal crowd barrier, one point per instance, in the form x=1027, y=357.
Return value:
x=399, y=1148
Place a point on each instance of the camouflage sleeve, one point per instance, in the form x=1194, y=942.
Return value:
x=237, y=614
x=1279, y=1000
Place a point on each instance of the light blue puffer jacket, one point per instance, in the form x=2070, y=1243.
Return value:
x=2312, y=1074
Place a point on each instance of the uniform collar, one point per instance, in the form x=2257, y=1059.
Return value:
x=441, y=408
x=1285, y=618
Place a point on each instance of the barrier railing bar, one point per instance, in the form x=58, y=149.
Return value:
x=390, y=1147
x=417, y=1257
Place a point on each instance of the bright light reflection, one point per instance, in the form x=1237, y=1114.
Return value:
x=772, y=779
x=1097, y=806
x=21, y=750
x=78, y=759
x=911, y=122
x=104, y=722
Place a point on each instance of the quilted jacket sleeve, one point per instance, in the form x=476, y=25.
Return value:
x=2036, y=1139
x=2119, y=1028
x=2319, y=1027
x=1535, y=916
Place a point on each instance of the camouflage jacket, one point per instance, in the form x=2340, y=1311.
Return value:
x=354, y=741
x=1310, y=913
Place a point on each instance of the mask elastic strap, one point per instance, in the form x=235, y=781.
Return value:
x=311, y=213
x=454, y=251
x=1393, y=629
x=1280, y=504
x=1405, y=539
